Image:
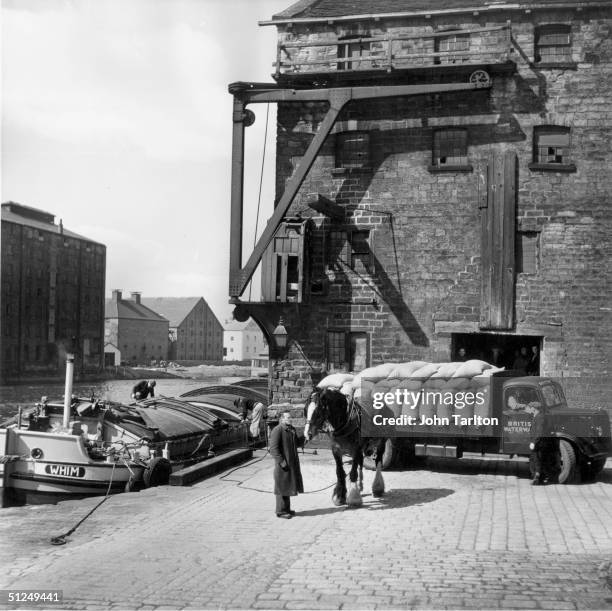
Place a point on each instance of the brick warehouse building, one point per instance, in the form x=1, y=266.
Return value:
x=133, y=333
x=195, y=331
x=52, y=295
x=443, y=181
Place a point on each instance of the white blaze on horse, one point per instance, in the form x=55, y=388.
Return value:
x=339, y=416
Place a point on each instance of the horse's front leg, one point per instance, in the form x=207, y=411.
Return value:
x=378, y=485
x=339, y=494
x=354, y=496
x=361, y=471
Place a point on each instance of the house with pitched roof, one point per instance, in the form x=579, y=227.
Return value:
x=243, y=341
x=133, y=333
x=195, y=332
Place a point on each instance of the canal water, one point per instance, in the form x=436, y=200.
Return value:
x=25, y=395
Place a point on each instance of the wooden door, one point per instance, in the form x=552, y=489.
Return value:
x=497, y=243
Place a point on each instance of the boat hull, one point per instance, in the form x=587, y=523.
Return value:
x=57, y=463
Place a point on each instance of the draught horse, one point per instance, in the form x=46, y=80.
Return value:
x=339, y=416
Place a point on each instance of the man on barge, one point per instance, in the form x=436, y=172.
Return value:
x=143, y=389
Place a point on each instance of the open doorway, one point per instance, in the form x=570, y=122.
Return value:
x=517, y=352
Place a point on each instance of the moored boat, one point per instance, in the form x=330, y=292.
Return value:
x=85, y=446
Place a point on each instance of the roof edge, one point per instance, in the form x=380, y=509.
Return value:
x=479, y=9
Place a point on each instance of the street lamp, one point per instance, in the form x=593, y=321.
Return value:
x=280, y=335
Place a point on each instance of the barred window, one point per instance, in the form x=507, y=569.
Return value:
x=336, y=350
x=445, y=45
x=347, y=350
x=352, y=149
x=450, y=147
x=551, y=144
x=553, y=44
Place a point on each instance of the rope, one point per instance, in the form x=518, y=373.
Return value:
x=239, y=483
x=61, y=539
x=263, y=161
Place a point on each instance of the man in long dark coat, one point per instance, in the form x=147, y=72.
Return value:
x=287, y=474
x=545, y=450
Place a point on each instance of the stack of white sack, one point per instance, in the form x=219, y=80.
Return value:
x=425, y=389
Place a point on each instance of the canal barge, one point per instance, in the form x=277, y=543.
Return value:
x=86, y=446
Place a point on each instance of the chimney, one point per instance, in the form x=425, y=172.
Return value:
x=117, y=295
x=136, y=297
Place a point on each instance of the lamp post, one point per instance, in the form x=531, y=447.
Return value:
x=280, y=335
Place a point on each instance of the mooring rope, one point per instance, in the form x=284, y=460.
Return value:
x=61, y=539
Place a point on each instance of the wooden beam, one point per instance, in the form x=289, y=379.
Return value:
x=326, y=206
x=254, y=93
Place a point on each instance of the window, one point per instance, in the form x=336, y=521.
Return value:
x=553, y=44
x=347, y=350
x=352, y=248
x=551, y=148
x=361, y=255
x=450, y=149
x=445, y=45
x=526, y=252
x=357, y=51
x=352, y=150
x=336, y=350
x=552, y=396
x=521, y=399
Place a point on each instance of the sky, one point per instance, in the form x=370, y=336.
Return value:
x=116, y=118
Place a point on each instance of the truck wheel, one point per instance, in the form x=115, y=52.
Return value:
x=388, y=459
x=590, y=472
x=569, y=469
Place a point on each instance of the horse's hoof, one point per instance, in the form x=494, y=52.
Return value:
x=338, y=501
x=378, y=485
x=354, y=497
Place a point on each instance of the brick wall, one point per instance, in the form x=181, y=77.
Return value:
x=52, y=300
x=200, y=335
x=141, y=341
x=425, y=226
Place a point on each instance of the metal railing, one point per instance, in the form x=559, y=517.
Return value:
x=392, y=52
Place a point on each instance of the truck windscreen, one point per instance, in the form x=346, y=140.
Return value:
x=552, y=395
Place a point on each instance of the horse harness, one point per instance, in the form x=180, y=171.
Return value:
x=353, y=420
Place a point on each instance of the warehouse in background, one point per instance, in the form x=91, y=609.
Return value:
x=52, y=295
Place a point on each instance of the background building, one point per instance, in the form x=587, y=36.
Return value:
x=133, y=333
x=472, y=212
x=243, y=341
x=195, y=332
x=52, y=295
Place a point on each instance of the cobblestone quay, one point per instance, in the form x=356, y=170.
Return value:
x=471, y=534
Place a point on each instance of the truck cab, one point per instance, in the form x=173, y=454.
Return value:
x=584, y=434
